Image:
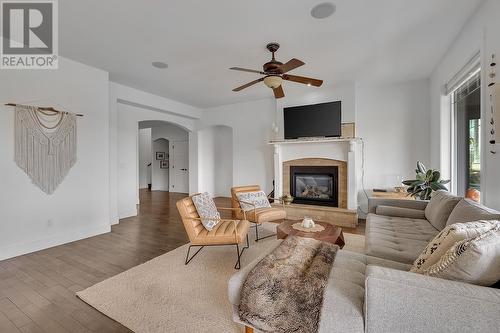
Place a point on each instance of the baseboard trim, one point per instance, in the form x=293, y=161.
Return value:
x=18, y=249
x=129, y=213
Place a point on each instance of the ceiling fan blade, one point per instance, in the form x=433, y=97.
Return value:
x=278, y=92
x=248, y=84
x=292, y=64
x=246, y=70
x=303, y=79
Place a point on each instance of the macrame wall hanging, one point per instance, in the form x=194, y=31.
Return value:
x=45, y=144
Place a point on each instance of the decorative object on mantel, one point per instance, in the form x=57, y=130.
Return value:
x=426, y=182
x=275, y=131
x=494, y=105
x=45, y=144
x=287, y=199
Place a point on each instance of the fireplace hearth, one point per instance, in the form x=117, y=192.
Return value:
x=314, y=185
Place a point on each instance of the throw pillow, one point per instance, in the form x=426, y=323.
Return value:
x=400, y=212
x=468, y=210
x=205, y=206
x=447, y=238
x=475, y=260
x=257, y=198
x=439, y=208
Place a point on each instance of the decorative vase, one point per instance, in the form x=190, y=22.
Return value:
x=287, y=199
x=307, y=222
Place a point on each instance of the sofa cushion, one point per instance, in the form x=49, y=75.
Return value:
x=205, y=206
x=448, y=237
x=439, y=208
x=468, y=210
x=475, y=260
x=395, y=238
x=400, y=212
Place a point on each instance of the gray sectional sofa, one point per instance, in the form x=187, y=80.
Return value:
x=377, y=293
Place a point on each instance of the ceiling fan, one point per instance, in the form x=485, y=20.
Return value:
x=275, y=73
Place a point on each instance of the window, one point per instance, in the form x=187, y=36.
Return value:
x=466, y=106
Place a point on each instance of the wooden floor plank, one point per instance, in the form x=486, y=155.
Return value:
x=37, y=290
x=15, y=315
x=6, y=325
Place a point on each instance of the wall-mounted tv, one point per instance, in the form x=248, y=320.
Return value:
x=318, y=120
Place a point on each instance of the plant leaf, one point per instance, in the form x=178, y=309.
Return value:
x=436, y=175
x=421, y=167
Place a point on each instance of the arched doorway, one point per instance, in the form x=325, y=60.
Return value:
x=169, y=162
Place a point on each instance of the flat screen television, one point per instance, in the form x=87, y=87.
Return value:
x=318, y=120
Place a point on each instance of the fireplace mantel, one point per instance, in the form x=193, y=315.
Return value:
x=340, y=149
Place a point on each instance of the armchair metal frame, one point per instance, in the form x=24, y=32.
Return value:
x=201, y=246
x=238, y=253
x=255, y=224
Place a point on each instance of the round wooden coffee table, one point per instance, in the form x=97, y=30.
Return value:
x=331, y=234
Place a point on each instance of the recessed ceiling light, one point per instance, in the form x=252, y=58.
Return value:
x=323, y=10
x=159, y=64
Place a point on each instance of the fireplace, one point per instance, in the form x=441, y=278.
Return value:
x=315, y=185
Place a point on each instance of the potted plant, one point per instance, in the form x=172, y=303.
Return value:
x=426, y=182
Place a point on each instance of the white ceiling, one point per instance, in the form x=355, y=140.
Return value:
x=365, y=40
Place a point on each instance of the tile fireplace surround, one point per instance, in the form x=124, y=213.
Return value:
x=345, y=154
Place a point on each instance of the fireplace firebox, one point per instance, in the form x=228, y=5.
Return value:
x=315, y=185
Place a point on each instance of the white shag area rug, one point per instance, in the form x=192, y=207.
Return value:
x=164, y=295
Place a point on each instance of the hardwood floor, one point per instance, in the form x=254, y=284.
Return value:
x=37, y=290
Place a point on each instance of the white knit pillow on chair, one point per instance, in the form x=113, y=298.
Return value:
x=205, y=206
x=257, y=198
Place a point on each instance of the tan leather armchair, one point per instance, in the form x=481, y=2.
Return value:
x=226, y=232
x=256, y=215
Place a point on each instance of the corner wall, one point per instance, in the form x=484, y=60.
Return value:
x=79, y=208
x=251, y=123
x=393, y=121
x=481, y=33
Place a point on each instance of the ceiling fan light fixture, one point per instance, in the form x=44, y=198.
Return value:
x=273, y=81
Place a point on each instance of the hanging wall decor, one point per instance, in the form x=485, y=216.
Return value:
x=45, y=144
x=493, y=105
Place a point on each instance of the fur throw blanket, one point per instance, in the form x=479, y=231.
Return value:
x=284, y=291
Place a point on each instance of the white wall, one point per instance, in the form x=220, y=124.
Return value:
x=481, y=33
x=224, y=156
x=251, y=124
x=145, y=157
x=79, y=208
x=393, y=121
x=206, y=160
x=216, y=160
x=160, y=177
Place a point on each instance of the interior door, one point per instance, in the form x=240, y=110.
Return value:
x=180, y=167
